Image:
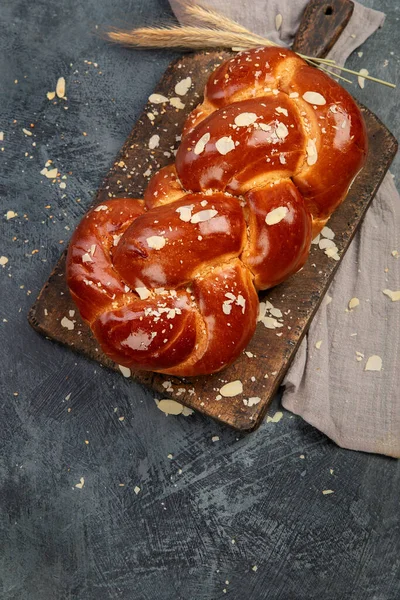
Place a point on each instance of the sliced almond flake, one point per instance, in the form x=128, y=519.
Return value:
x=215, y=438
x=353, y=303
x=328, y=233
x=327, y=492
x=60, y=87
x=182, y=87
x=203, y=215
x=86, y=258
x=327, y=300
x=201, y=144
x=270, y=322
x=231, y=389
x=312, y=154
x=143, y=292
x=51, y=95
x=227, y=307
x=282, y=111
x=67, y=323
x=92, y=249
x=276, y=215
x=157, y=99
x=253, y=401
x=126, y=372
x=156, y=242
x=80, y=484
x=393, y=295
x=275, y=418
x=278, y=21
x=27, y=132
x=332, y=253
x=176, y=103
x=101, y=207
x=314, y=98
x=3, y=260
x=225, y=145
x=276, y=312
x=360, y=354
x=282, y=159
x=254, y=568
x=294, y=95
x=361, y=79
x=116, y=239
x=282, y=131
x=245, y=119
x=374, y=363
x=249, y=354
x=326, y=243
x=264, y=127
x=185, y=212
x=395, y=253
x=154, y=141
x=187, y=411
x=49, y=173
x=136, y=489
x=170, y=407
x=318, y=344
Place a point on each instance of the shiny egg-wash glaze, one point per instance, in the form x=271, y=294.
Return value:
x=169, y=283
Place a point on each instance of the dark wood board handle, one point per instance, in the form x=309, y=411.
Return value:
x=321, y=26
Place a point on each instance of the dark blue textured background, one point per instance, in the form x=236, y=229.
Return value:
x=206, y=516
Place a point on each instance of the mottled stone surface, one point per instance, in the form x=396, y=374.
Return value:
x=174, y=538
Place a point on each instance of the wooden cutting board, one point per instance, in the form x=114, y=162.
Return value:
x=262, y=367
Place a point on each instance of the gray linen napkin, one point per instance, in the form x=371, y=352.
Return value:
x=327, y=383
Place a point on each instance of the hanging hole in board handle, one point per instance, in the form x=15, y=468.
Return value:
x=329, y=10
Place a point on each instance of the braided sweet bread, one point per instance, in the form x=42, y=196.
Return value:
x=169, y=283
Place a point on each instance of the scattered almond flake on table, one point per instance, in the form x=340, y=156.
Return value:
x=10, y=214
x=215, y=438
x=156, y=242
x=254, y=568
x=126, y=372
x=361, y=79
x=231, y=389
x=63, y=185
x=327, y=492
x=225, y=145
x=49, y=173
x=393, y=295
x=314, y=98
x=278, y=21
x=3, y=260
x=157, y=99
x=81, y=483
x=51, y=95
x=245, y=119
x=276, y=215
x=374, y=363
x=183, y=86
x=154, y=141
x=353, y=303
x=275, y=418
x=136, y=489
x=60, y=87
x=27, y=132
x=67, y=323
x=1, y=136
x=251, y=401
x=170, y=407
x=318, y=344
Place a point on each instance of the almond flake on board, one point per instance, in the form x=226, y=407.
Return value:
x=170, y=407
x=251, y=401
x=126, y=372
x=183, y=86
x=67, y=323
x=154, y=141
x=157, y=99
x=374, y=363
x=393, y=295
x=176, y=103
x=278, y=21
x=318, y=344
x=231, y=389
